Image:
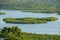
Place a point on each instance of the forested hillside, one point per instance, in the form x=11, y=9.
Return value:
x=31, y=5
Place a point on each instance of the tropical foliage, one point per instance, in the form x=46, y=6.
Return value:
x=14, y=33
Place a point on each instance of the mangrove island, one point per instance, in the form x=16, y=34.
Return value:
x=2, y=13
x=29, y=20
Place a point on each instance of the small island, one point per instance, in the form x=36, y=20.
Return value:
x=29, y=20
x=2, y=13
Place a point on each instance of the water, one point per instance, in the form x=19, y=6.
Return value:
x=49, y=28
x=1, y=39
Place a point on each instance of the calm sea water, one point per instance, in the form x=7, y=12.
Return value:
x=49, y=28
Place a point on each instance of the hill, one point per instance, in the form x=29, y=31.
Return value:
x=31, y=5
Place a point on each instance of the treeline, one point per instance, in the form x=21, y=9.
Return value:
x=29, y=20
x=44, y=6
x=14, y=33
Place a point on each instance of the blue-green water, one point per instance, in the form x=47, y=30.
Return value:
x=1, y=39
x=49, y=28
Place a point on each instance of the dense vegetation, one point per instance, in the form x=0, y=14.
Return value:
x=45, y=6
x=14, y=33
x=29, y=20
x=2, y=13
